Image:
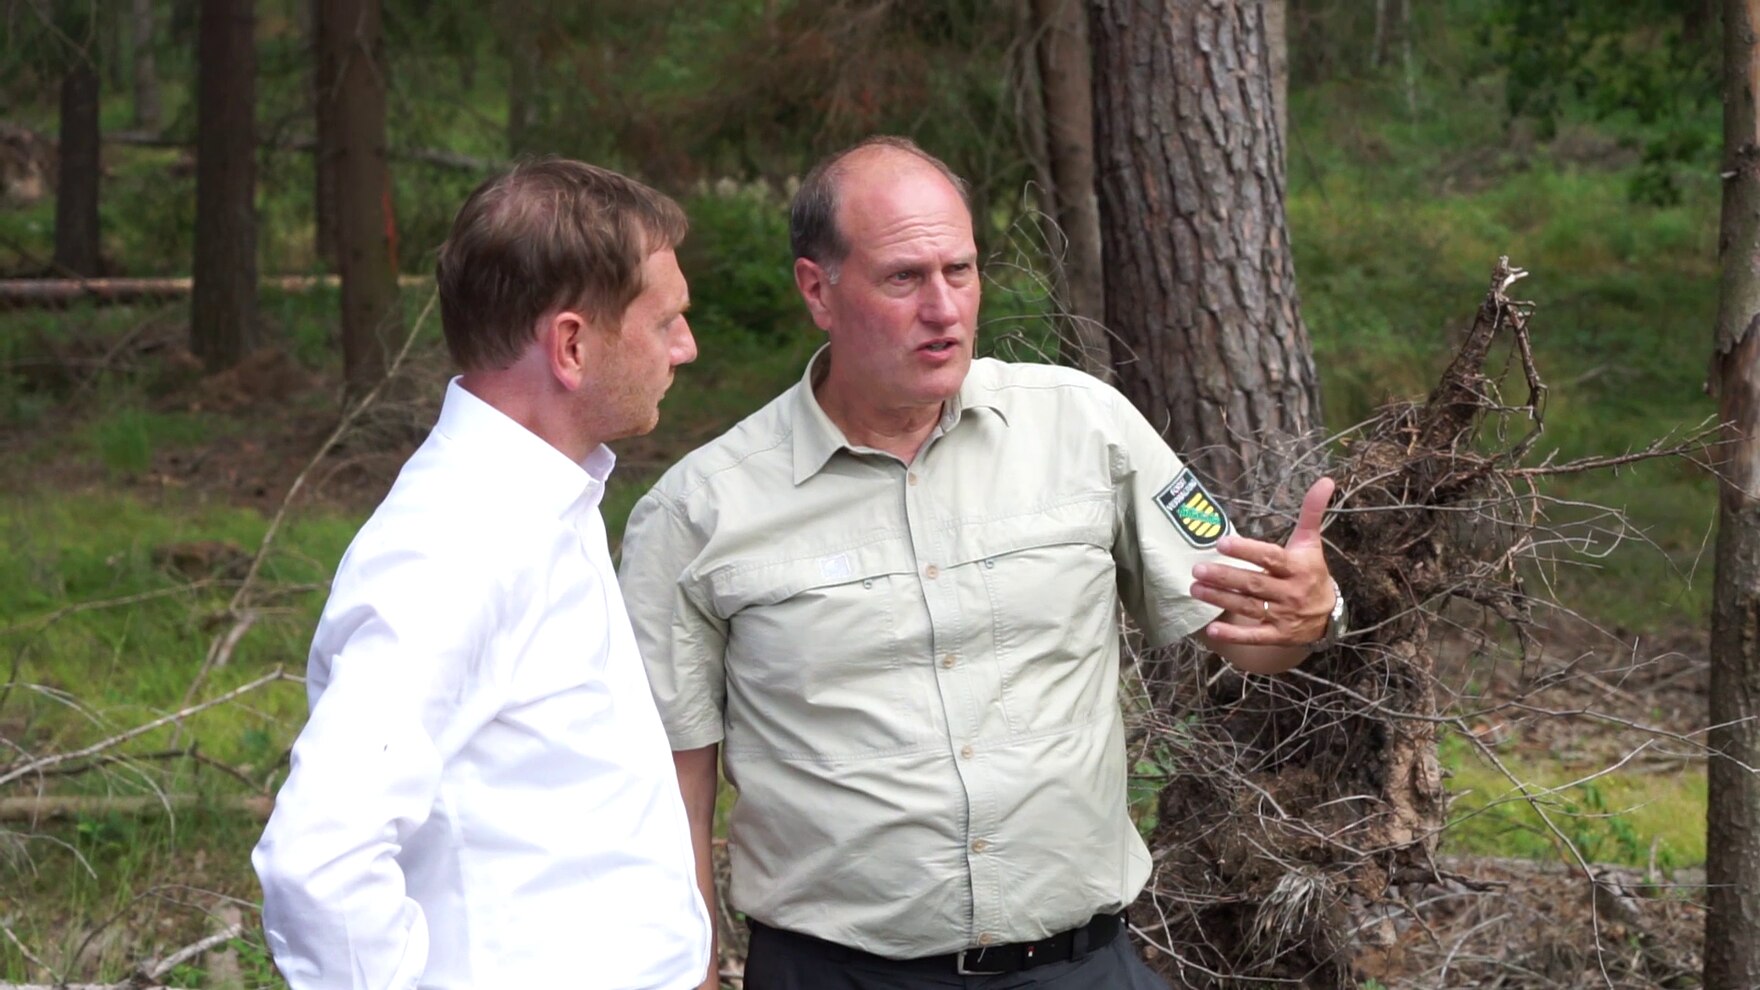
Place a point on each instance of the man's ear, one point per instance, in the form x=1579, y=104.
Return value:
x=812, y=281
x=564, y=337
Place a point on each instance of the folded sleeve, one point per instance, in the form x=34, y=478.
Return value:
x=1167, y=521
x=682, y=643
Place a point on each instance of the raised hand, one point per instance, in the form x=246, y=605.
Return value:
x=1287, y=601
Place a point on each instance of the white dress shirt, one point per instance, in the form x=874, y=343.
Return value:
x=483, y=796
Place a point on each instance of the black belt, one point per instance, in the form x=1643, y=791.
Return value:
x=977, y=961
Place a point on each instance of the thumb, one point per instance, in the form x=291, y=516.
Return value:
x=1313, y=512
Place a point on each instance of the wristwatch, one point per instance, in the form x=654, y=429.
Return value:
x=1334, y=623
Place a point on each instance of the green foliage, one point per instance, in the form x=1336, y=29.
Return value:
x=1403, y=189
x=1392, y=258
x=1614, y=818
x=1648, y=68
x=148, y=217
x=739, y=265
x=126, y=439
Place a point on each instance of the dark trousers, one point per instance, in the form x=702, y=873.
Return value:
x=779, y=960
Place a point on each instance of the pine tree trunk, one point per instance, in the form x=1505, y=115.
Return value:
x=364, y=230
x=324, y=83
x=1277, y=45
x=1732, y=866
x=76, y=190
x=1066, y=90
x=1210, y=345
x=1200, y=283
x=223, y=310
x=148, y=110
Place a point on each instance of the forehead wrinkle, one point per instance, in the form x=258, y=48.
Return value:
x=915, y=240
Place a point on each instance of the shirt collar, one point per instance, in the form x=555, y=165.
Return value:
x=817, y=438
x=533, y=471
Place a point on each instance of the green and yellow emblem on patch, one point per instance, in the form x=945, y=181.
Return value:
x=1192, y=511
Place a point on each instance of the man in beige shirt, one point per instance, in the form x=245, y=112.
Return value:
x=887, y=602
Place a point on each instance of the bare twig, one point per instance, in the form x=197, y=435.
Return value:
x=36, y=766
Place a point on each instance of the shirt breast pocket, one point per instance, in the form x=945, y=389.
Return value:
x=1053, y=596
x=818, y=655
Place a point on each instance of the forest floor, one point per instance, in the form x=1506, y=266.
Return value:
x=1583, y=702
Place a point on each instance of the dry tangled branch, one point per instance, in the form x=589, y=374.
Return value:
x=1292, y=808
x=124, y=755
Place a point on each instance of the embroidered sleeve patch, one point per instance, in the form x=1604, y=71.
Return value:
x=1192, y=511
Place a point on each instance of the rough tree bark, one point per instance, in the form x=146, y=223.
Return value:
x=1732, y=866
x=364, y=229
x=1277, y=45
x=223, y=310
x=1200, y=284
x=1308, y=800
x=1066, y=95
x=147, y=107
x=76, y=188
x=1293, y=801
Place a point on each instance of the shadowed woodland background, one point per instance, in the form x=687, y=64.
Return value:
x=1277, y=226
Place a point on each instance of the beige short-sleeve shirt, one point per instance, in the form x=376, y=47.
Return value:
x=913, y=669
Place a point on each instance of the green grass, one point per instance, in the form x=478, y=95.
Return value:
x=1395, y=219
x=1392, y=260
x=133, y=661
x=1617, y=818
x=82, y=677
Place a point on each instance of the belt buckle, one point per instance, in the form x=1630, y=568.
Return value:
x=959, y=965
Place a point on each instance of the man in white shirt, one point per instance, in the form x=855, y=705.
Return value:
x=484, y=795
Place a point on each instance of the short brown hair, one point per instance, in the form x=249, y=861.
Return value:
x=812, y=217
x=546, y=233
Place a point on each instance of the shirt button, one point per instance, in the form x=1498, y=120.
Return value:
x=948, y=661
x=931, y=572
x=979, y=846
x=965, y=752
x=986, y=938
x=911, y=477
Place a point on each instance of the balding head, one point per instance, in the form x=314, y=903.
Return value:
x=813, y=229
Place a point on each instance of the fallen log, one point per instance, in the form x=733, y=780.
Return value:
x=57, y=807
x=440, y=157
x=19, y=293
x=149, y=975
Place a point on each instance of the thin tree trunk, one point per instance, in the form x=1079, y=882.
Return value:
x=1066, y=88
x=324, y=83
x=1698, y=18
x=76, y=190
x=1378, y=47
x=364, y=227
x=1200, y=282
x=223, y=311
x=514, y=36
x=147, y=109
x=1732, y=865
x=1410, y=62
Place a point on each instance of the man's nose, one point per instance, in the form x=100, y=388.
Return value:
x=684, y=345
x=939, y=304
